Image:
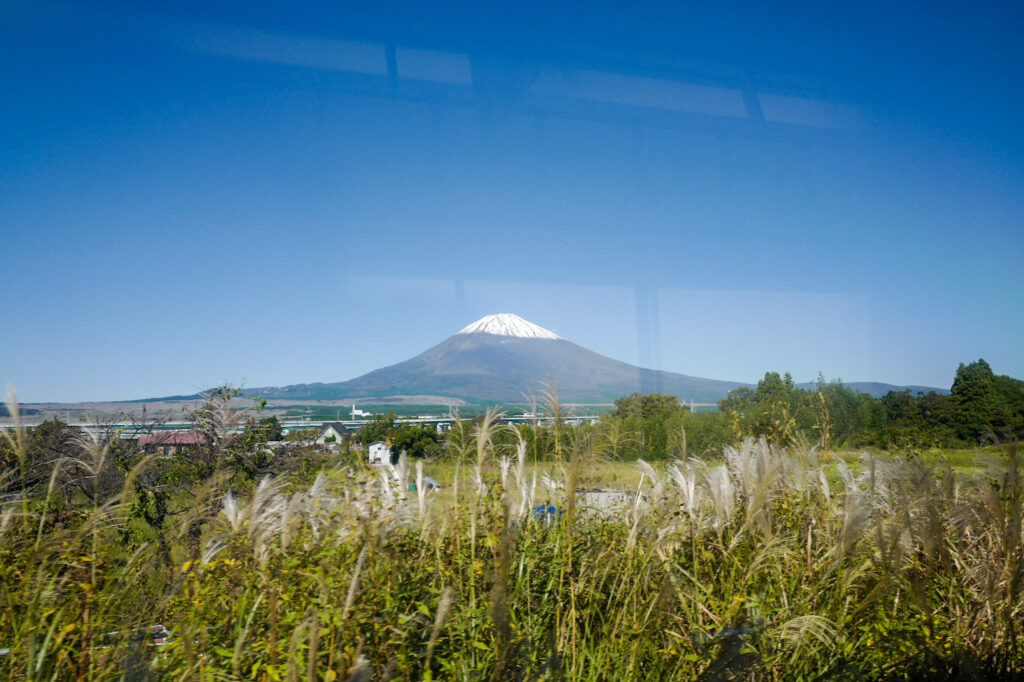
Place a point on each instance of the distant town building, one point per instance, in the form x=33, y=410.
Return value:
x=332, y=432
x=175, y=442
x=359, y=413
x=380, y=453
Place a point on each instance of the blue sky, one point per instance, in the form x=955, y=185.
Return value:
x=194, y=194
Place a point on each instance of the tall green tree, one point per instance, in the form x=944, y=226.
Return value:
x=265, y=430
x=652, y=419
x=416, y=440
x=379, y=428
x=776, y=409
x=977, y=408
x=1011, y=394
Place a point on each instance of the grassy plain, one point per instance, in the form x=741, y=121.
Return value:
x=758, y=565
x=627, y=475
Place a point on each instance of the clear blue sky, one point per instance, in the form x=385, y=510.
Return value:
x=270, y=194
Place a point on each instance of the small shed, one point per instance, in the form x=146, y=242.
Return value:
x=380, y=453
x=332, y=432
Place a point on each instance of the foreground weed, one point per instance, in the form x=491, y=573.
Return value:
x=759, y=565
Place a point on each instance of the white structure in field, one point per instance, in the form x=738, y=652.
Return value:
x=380, y=453
x=359, y=413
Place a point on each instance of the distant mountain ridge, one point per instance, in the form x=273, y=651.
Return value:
x=503, y=358
x=877, y=389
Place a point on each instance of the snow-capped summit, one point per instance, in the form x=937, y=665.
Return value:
x=507, y=324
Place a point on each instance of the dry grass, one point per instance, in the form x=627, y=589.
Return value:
x=762, y=564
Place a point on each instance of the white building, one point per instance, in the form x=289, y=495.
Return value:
x=380, y=453
x=332, y=433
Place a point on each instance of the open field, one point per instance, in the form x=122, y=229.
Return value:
x=627, y=474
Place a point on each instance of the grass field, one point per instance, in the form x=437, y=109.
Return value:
x=627, y=475
x=761, y=565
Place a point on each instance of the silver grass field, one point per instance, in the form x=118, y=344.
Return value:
x=760, y=564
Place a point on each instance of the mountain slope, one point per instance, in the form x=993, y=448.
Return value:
x=489, y=367
x=504, y=358
x=877, y=389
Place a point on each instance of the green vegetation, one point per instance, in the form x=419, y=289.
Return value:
x=760, y=560
x=982, y=407
x=378, y=428
x=417, y=441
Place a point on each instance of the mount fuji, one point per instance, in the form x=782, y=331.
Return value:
x=504, y=358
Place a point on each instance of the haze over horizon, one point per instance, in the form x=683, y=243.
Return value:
x=197, y=195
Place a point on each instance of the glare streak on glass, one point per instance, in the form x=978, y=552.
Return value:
x=290, y=50
x=652, y=93
x=434, y=67
x=808, y=112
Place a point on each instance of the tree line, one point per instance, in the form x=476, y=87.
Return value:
x=980, y=408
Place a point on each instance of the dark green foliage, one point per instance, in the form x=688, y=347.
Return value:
x=648, y=407
x=653, y=420
x=775, y=408
x=379, y=428
x=416, y=441
x=265, y=430
x=1011, y=397
x=920, y=421
x=981, y=407
x=49, y=441
x=706, y=433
